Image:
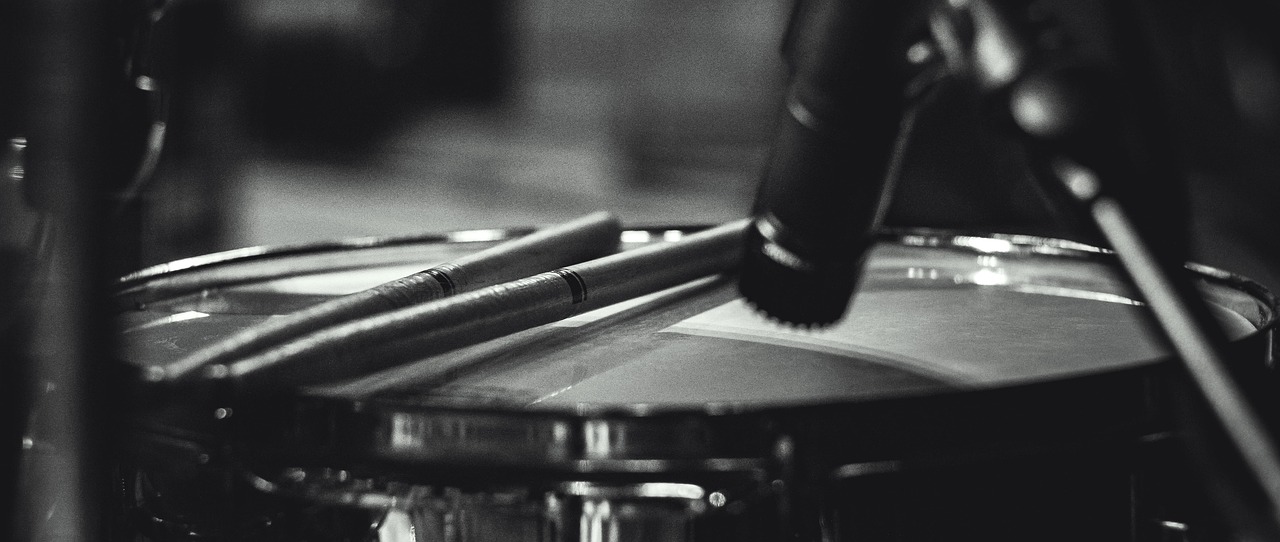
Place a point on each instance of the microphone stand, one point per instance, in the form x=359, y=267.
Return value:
x=1096, y=135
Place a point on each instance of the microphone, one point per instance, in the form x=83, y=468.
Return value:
x=825, y=188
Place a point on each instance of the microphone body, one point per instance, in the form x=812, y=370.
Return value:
x=825, y=186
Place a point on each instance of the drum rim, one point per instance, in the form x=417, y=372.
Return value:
x=256, y=253
x=135, y=283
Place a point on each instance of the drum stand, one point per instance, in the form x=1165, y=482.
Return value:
x=1093, y=137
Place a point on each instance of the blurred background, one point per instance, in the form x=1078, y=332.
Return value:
x=538, y=111
x=236, y=123
x=288, y=121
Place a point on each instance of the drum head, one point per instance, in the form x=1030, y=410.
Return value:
x=934, y=312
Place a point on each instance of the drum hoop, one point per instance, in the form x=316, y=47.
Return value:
x=264, y=252
x=925, y=237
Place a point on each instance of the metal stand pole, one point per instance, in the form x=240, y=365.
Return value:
x=67, y=98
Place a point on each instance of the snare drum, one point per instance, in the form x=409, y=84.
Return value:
x=994, y=387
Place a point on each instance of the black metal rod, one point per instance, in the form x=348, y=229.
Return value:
x=67, y=98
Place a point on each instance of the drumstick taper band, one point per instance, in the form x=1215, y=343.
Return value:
x=389, y=339
x=579, y=240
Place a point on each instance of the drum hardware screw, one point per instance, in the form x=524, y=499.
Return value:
x=717, y=499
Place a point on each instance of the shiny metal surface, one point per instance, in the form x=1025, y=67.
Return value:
x=568, y=511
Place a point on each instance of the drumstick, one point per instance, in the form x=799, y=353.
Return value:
x=584, y=238
x=385, y=340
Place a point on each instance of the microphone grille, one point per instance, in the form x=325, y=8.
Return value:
x=796, y=290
